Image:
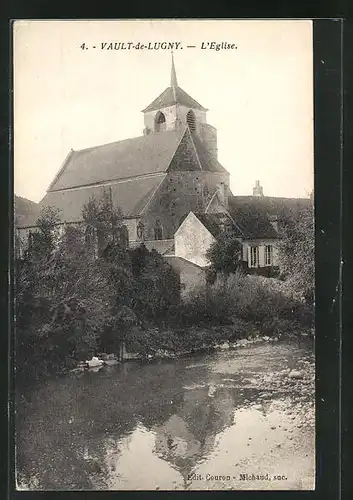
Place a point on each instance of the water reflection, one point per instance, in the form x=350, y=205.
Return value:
x=148, y=426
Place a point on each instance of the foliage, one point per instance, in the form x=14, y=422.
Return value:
x=71, y=302
x=156, y=285
x=297, y=254
x=254, y=299
x=225, y=253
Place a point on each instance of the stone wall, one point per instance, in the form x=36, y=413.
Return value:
x=179, y=194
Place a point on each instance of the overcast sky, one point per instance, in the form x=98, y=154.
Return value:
x=259, y=96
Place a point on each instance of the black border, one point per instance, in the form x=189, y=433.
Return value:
x=328, y=174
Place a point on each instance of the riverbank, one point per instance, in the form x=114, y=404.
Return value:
x=175, y=343
x=179, y=422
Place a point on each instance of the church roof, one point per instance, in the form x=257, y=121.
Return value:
x=118, y=160
x=132, y=169
x=131, y=195
x=26, y=212
x=171, y=96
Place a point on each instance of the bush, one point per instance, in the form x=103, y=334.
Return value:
x=253, y=299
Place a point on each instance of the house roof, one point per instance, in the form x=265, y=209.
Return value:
x=171, y=96
x=253, y=213
x=26, y=212
x=130, y=195
x=214, y=223
x=270, y=205
x=180, y=264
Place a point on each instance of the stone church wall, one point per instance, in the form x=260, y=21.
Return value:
x=179, y=194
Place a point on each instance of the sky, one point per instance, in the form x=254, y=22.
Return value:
x=259, y=95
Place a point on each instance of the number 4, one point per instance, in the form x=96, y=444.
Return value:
x=83, y=46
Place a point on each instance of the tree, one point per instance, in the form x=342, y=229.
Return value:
x=106, y=221
x=297, y=253
x=225, y=254
x=156, y=285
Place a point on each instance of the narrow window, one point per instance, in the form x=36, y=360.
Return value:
x=158, y=231
x=191, y=120
x=140, y=230
x=254, y=256
x=268, y=255
x=160, y=123
x=30, y=240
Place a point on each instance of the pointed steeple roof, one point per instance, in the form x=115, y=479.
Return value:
x=173, y=77
x=173, y=95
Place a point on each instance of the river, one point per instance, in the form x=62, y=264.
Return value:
x=199, y=423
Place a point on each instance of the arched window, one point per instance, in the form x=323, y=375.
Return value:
x=158, y=231
x=191, y=120
x=30, y=240
x=140, y=230
x=159, y=122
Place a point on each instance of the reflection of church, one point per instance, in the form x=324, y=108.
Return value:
x=188, y=436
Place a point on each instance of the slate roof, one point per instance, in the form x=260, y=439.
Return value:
x=270, y=205
x=26, y=212
x=205, y=157
x=118, y=160
x=130, y=195
x=213, y=222
x=132, y=169
x=173, y=95
x=248, y=222
x=180, y=264
x=253, y=213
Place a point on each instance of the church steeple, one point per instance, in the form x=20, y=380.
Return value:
x=173, y=77
x=175, y=110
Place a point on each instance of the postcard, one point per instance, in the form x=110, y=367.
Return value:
x=164, y=255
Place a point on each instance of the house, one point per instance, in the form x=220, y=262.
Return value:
x=199, y=231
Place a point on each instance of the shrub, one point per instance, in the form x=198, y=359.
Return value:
x=253, y=299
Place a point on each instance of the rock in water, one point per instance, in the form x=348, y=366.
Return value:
x=296, y=374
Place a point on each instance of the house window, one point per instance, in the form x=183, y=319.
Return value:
x=158, y=231
x=160, y=122
x=268, y=255
x=191, y=120
x=254, y=256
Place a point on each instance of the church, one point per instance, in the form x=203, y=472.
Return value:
x=172, y=190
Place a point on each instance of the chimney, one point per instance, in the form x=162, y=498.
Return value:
x=258, y=189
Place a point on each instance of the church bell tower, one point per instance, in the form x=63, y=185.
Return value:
x=175, y=110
